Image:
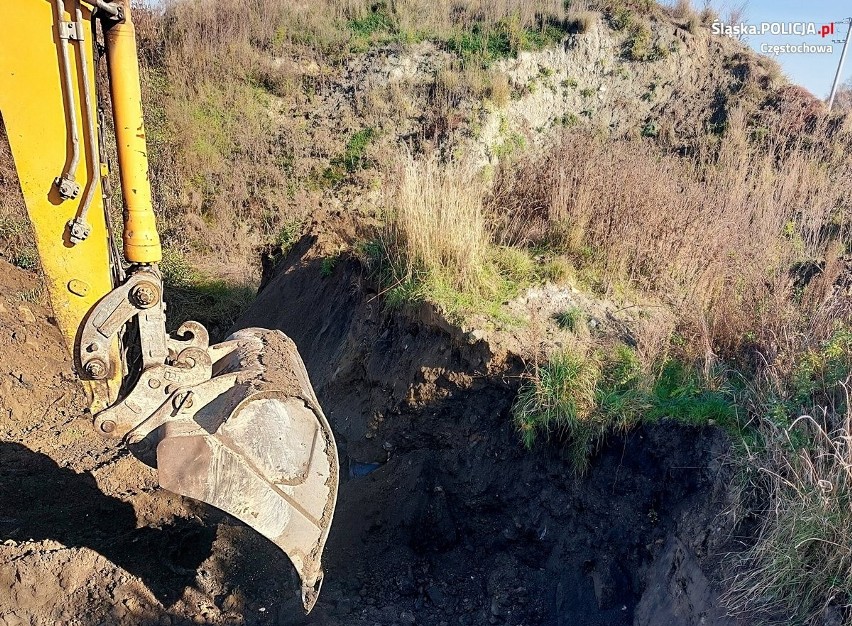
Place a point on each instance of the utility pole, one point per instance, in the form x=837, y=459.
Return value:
x=847, y=21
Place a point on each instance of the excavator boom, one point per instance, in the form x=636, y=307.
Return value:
x=236, y=424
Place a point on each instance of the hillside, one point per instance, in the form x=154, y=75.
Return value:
x=573, y=283
x=317, y=128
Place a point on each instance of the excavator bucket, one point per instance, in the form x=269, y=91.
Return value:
x=259, y=448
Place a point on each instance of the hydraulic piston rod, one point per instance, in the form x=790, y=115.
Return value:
x=141, y=241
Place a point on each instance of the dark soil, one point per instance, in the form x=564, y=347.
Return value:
x=459, y=524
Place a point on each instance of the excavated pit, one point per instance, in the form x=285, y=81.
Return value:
x=443, y=517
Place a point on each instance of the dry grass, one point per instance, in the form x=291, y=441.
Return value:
x=436, y=225
x=581, y=22
x=719, y=235
x=437, y=243
x=801, y=471
x=500, y=89
x=323, y=26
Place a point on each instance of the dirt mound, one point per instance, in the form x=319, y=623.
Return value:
x=443, y=518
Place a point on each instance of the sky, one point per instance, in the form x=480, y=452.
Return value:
x=814, y=71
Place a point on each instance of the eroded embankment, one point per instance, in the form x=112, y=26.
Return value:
x=444, y=518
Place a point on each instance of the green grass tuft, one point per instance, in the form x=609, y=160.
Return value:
x=584, y=398
x=570, y=319
x=288, y=235
x=560, y=397
x=638, y=45
x=680, y=393
x=507, y=271
x=327, y=266
x=26, y=257
x=377, y=20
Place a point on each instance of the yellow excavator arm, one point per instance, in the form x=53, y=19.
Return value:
x=236, y=424
x=51, y=141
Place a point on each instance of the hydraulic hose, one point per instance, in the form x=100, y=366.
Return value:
x=68, y=82
x=79, y=226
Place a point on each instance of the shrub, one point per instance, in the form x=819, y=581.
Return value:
x=682, y=9
x=708, y=15
x=327, y=266
x=650, y=129
x=621, y=19
x=288, y=234
x=817, y=371
x=568, y=120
